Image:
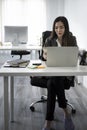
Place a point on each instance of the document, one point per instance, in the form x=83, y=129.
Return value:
x=17, y=63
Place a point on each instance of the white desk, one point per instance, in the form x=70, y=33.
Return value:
x=48, y=71
x=20, y=47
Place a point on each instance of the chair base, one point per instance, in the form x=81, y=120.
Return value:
x=44, y=99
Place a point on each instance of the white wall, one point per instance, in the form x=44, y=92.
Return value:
x=54, y=8
x=75, y=11
x=0, y=18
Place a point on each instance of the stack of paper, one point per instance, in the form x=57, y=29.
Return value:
x=17, y=63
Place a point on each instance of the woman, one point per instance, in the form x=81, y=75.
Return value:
x=61, y=36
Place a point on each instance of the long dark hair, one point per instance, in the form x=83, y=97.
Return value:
x=66, y=33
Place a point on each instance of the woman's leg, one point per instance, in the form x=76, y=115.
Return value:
x=50, y=104
x=56, y=87
x=62, y=102
x=60, y=91
x=51, y=97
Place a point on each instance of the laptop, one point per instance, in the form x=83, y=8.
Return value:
x=62, y=56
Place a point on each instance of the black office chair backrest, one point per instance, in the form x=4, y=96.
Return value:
x=45, y=35
x=69, y=82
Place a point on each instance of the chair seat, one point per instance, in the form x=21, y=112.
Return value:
x=20, y=53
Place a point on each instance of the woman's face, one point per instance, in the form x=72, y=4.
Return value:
x=59, y=29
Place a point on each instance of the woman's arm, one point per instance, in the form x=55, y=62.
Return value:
x=45, y=53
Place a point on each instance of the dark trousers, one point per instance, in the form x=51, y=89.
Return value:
x=55, y=87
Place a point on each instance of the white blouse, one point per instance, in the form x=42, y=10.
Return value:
x=59, y=45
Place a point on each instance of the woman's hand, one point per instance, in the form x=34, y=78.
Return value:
x=45, y=53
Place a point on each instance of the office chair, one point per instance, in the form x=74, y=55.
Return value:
x=20, y=53
x=42, y=81
x=45, y=35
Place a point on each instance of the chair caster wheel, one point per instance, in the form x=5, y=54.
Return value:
x=32, y=108
x=73, y=111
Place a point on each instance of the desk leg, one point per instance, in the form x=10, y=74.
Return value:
x=12, y=97
x=6, y=104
